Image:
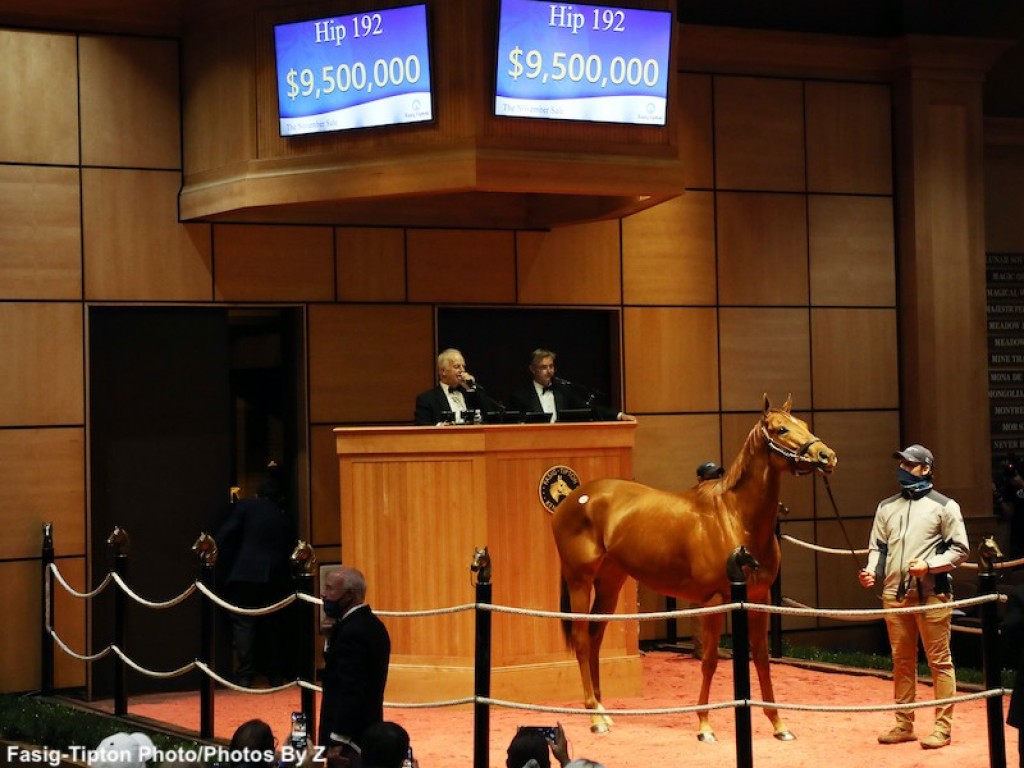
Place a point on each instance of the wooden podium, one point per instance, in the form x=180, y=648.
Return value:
x=417, y=501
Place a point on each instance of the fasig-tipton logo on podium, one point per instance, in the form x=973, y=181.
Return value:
x=557, y=483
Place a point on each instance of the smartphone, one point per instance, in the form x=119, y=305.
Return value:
x=298, y=736
x=549, y=732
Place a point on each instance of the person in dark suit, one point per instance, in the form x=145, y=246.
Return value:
x=549, y=394
x=261, y=535
x=1013, y=639
x=455, y=397
x=356, y=657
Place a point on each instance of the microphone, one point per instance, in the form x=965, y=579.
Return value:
x=471, y=383
x=564, y=382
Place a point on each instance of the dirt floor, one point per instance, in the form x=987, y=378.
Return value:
x=444, y=737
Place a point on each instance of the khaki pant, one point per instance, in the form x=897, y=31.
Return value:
x=933, y=627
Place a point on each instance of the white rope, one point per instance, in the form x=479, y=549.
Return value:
x=819, y=548
x=432, y=704
x=874, y=613
x=74, y=593
x=151, y=672
x=997, y=566
x=150, y=603
x=205, y=668
x=64, y=647
x=839, y=551
x=244, y=611
x=430, y=611
x=653, y=615
x=878, y=707
x=582, y=711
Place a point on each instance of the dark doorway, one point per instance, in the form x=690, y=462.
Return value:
x=184, y=403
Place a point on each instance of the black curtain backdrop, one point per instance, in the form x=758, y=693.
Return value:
x=497, y=345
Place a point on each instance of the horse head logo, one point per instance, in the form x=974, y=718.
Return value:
x=557, y=483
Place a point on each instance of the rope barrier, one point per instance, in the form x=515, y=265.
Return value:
x=649, y=616
x=605, y=711
x=792, y=608
x=852, y=614
x=878, y=707
x=263, y=611
x=150, y=672
x=157, y=605
x=819, y=548
x=970, y=566
x=428, y=611
x=64, y=647
x=71, y=590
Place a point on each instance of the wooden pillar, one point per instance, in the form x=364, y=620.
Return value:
x=941, y=226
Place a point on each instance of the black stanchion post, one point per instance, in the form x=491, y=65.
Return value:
x=992, y=666
x=741, y=655
x=303, y=568
x=481, y=566
x=206, y=548
x=775, y=620
x=120, y=542
x=49, y=617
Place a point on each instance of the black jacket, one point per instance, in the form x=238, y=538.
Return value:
x=567, y=397
x=431, y=405
x=355, y=671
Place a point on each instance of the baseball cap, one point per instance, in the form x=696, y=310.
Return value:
x=709, y=471
x=917, y=454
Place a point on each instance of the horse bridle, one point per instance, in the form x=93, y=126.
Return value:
x=798, y=456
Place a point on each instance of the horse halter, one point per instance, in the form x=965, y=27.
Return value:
x=794, y=457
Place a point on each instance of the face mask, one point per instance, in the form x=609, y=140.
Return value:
x=913, y=484
x=332, y=609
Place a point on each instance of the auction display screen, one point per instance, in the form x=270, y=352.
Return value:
x=582, y=62
x=355, y=71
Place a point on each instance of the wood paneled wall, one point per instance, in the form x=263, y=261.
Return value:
x=774, y=272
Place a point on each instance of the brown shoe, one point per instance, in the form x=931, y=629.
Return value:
x=898, y=736
x=935, y=740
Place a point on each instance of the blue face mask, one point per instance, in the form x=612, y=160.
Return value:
x=332, y=609
x=912, y=484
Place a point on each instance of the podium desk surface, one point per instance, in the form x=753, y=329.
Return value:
x=483, y=438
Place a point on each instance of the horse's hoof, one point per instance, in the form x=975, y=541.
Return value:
x=707, y=737
x=598, y=728
x=786, y=735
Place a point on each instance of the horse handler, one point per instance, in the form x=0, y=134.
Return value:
x=917, y=538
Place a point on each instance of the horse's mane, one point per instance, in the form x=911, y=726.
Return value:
x=734, y=474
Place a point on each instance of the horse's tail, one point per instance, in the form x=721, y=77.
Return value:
x=566, y=607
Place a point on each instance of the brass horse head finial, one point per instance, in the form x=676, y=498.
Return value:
x=206, y=548
x=303, y=559
x=481, y=566
x=119, y=541
x=988, y=554
x=737, y=561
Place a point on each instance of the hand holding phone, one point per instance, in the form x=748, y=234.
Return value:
x=298, y=737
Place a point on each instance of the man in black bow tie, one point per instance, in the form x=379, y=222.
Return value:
x=456, y=398
x=548, y=394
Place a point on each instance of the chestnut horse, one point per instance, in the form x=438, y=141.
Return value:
x=678, y=544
